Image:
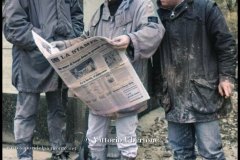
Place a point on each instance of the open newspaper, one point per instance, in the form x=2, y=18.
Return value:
x=101, y=76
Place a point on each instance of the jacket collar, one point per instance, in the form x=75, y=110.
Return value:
x=176, y=11
x=123, y=6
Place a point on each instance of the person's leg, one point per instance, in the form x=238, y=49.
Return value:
x=56, y=118
x=96, y=135
x=24, y=123
x=126, y=133
x=182, y=139
x=209, y=140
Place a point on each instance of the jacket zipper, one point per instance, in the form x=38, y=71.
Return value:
x=173, y=11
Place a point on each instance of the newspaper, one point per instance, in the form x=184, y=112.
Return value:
x=99, y=75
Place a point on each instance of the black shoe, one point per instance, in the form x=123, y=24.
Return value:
x=62, y=156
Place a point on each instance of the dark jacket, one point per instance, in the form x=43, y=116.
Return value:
x=53, y=20
x=197, y=51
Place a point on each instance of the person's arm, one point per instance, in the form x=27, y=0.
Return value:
x=16, y=25
x=225, y=47
x=77, y=18
x=157, y=80
x=149, y=32
x=61, y=45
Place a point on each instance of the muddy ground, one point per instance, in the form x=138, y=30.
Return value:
x=153, y=136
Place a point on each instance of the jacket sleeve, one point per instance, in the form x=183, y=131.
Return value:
x=16, y=25
x=77, y=18
x=149, y=31
x=156, y=74
x=79, y=39
x=223, y=42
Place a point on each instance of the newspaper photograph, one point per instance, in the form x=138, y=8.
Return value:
x=99, y=75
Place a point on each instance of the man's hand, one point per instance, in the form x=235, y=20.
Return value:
x=225, y=88
x=121, y=42
x=59, y=44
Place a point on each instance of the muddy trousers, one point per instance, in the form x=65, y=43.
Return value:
x=125, y=131
x=25, y=121
x=182, y=138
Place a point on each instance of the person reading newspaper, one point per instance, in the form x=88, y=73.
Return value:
x=132, y=25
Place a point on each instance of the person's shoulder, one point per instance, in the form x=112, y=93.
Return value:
x=71, y=1
x=203, y=3
x=97, y=15
x=98, y=11
x=139, y=2
x=203, y=6
x=136, y=3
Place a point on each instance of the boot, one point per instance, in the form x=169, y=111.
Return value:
x=63, y=156
x=127, y=158
x=24, y=151
x=98, y=155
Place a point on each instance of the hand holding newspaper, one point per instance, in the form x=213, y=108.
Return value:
x=99, y=75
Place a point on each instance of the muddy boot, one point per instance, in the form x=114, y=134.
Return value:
x=24, y=151
x=127, y=158
x=98, y=155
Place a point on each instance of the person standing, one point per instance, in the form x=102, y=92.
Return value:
x=31, y=72
x=135, y=26
x=194, y=71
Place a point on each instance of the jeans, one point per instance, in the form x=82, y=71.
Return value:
x=25, y=120
x=126, y=135
x=183, y=136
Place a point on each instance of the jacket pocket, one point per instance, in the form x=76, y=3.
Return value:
x=123, y=20
x=35, y=60
x=205, y=97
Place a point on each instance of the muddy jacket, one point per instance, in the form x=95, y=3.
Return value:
x=197, y=51
x=139, y=20
x=53, y=20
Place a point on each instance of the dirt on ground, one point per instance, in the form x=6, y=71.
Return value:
x=153, y=142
